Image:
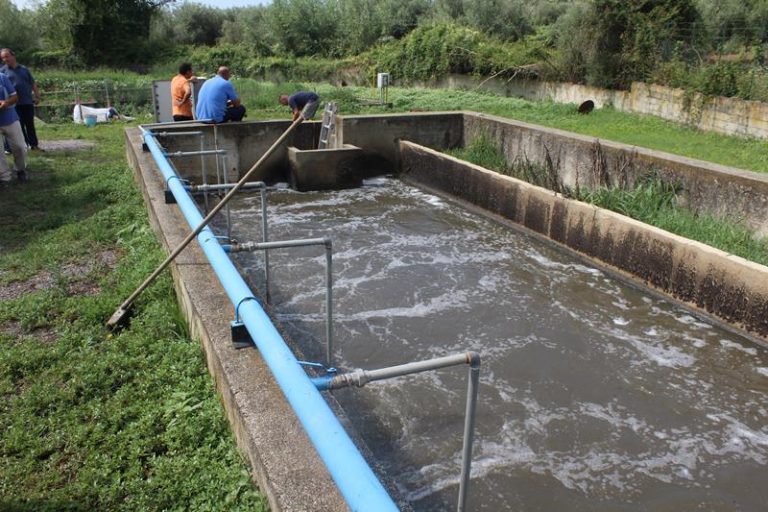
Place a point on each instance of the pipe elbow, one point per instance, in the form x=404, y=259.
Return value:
x=473, y=359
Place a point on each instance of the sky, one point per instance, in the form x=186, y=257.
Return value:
x=213, y=3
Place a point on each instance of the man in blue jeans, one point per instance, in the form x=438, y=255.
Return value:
x=298, y=100
x=10, y=128
x=218, y=101
x=28, y=96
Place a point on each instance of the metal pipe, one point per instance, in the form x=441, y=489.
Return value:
x=282, y=244
x=328, y=303
x=226, y=186
x=168, y=124
x=469, y=430
x=122, y=312
x=175, y=154
x=177, y=134
x=354, y=478
x=359, y=378
x=265, y=239
x=266, y=246
x=204, y=172
x=229, y=211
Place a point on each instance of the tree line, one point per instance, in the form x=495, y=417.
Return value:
x=600, y=42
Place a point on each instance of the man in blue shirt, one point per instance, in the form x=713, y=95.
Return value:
x=10, y=128
x=28, y=93
x=218, y=101
x=298, y=100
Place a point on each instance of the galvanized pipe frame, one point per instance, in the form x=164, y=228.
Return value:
x=355, y=479
x=284, y=244
x=359, y=378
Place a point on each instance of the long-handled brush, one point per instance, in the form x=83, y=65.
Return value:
x=120, y=317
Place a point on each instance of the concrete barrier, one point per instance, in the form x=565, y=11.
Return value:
x=732, y=116
x=326, y=169
x=726, y=287
x=587, y=162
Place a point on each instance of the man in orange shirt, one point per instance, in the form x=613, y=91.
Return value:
x=181, y=93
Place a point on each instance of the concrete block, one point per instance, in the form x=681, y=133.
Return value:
x=326, y=169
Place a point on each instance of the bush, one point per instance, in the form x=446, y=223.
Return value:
x=435, y=50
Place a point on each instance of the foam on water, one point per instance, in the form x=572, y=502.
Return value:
x=590, y=390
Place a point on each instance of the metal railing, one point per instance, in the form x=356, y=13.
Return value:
x=359, y=486
x=328, y=244
x=359, y=378
x=356, y=481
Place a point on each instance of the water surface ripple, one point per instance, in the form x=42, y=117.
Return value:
x=594, y=396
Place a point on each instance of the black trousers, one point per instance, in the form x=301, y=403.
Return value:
x=27, y=119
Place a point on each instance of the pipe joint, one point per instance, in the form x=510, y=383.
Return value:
x=473, y=360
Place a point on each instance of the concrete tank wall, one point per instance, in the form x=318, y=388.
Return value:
x=245, y=143
x=727, y=287
x=378, y=135
x=586, y=162
x=731, y=116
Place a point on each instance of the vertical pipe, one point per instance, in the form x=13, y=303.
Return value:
x=216, y=147
x=469, y=427
x=328, y=302
x=265, y=239
x=204, y=169
x=229, y=212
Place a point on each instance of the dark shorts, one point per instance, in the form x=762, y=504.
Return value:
x=308, y=112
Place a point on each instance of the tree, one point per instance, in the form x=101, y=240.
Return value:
x=16, y=29
x=197, y=24
x=615, y=42
x=503, y=18
x=248, y=25
x=303, y=27
x=100, y=32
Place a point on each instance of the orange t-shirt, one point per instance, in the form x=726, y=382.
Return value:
x=179, y=88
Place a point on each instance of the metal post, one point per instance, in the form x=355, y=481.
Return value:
x=328, y=302
x=266, y=246
x=204, y=171
x=360, y=378
x=469, y=432
x=265, y=239
x=226, y=182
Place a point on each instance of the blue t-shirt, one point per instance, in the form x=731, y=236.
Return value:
x=23, y=81
x=212, y=100
x=299, y=100
x=7, y=115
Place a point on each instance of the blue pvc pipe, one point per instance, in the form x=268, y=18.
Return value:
x=357, y=482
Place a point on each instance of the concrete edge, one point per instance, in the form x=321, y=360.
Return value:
x=722, y=286
x=284, y=463
x=650, y=154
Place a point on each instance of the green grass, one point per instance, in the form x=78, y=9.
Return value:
x=606, y=123
x=92, y=420
x=650, y=200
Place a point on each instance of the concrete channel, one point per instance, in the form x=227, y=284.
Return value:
x=710, y=282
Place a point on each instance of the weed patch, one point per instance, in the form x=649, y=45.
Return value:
x=91, y=420
x=651, y=200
